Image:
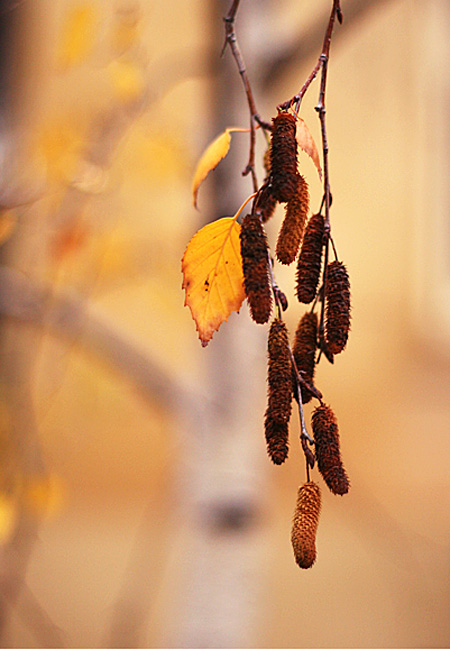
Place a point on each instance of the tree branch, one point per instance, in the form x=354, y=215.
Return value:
x=72, y=316
x=231, y=40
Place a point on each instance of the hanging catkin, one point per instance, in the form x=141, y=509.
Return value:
x=337, y=307
x=310, y=260
x=283, y=157
x=277, y=435
x=304, y=350
x=328, y=453
x=255, y=267
x=293, y=226
x=279, y=379
x=304, y=525
x=266, y=203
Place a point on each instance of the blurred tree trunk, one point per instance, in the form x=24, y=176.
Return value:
x=226, y=475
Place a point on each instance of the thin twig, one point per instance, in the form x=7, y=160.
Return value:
x=231, y=41
x=296, y=99
x=321, y=110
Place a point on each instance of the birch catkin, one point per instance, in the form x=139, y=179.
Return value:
x=328, y=453
x=277, y=436
x=337, y=307
x=279, y=379
x=255, y=264
x=310, y=260
x=305, y=523
x=266, y=203
x=283, y=157
x=293, y=226
x=304, y=350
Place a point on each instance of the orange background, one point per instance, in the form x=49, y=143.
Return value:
x=115, y=554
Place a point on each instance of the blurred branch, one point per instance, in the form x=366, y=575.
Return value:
x=74, y=317
x=303, y=48
x=46, y=633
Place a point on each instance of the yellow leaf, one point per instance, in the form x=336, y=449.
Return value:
x=212, y=275
x=211, y=157
x=307, y=144
x=77, y=36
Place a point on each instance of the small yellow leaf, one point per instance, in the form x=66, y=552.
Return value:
x=211, y=157
x=212, y=275
x=307, y=144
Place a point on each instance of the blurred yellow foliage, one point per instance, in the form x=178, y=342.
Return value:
x=125, y=33
x=7, y=517
x=43, y=495
x=127, y=79
x=59, y=143
x=114, y=251
x=8, y=221
x=154, y=156
x=77, y=35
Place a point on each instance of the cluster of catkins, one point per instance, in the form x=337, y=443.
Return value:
x=291, y=370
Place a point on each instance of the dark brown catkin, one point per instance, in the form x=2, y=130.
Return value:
x=304, y=350
x=279, y=379
x=310, y=260
x=305, y=523
x=328, y=453
x=255, y=264
x=266, y=203
x=293, y=226
x=267, y=160
x=277, y=435
x=337, y=307
x=283, y=157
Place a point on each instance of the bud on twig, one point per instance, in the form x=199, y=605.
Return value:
x=304, y=526
x=255, y=264
x=328, y=454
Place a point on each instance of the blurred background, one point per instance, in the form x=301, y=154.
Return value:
x=137, y=505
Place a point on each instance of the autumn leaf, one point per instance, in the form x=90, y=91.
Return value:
x=307, y=144
x=211, y=157
x=212, y=275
